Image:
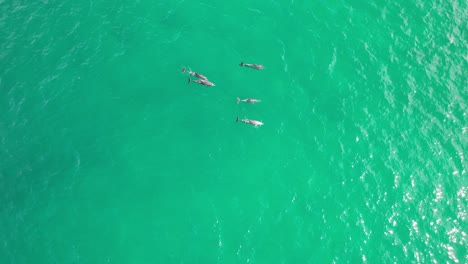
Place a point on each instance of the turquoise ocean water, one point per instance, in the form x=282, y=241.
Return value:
x=107, y=155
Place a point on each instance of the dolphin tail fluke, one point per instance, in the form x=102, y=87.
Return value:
x=237, y=119
x=241, y=64
x=237, y=99
x=183, y=70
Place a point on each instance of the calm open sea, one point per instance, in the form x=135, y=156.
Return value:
x=108, y=155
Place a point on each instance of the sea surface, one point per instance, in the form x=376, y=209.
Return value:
x=109, y=155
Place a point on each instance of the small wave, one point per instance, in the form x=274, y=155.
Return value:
x=331, y=66
x=256, y=11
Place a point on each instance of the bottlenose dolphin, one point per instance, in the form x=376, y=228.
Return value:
x=202, y=82
x=251, y=65
x=196, y=74
x=255, y=123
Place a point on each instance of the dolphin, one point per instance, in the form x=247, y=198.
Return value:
x=251, y=65
x=255, y=123
x=196, y=74
x=248, y=100
x=202, y=82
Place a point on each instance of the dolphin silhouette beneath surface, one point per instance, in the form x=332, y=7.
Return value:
x=202, y=82
x=252, y=65
x=196, y=74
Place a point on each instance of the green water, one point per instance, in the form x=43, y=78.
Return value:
x=107, y=155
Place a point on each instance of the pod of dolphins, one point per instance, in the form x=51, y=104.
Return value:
x=203, y=80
